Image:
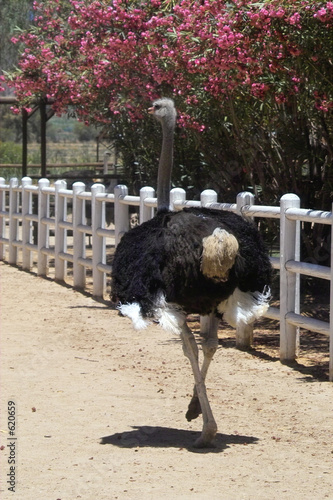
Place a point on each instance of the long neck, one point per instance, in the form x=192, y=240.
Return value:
x=165, y=167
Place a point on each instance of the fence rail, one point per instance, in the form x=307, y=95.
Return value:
x=33, y=215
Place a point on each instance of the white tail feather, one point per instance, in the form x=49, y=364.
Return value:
x=169, y=316
x=171, y=319
x=244, y=307
x=133, y=311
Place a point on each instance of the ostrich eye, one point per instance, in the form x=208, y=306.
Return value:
x=157, y=106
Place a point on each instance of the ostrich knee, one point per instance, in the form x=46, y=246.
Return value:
x=209, y=347
x=190, y=348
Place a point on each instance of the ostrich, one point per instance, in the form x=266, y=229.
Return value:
x=195, y=261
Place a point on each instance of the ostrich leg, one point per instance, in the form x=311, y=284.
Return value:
x=209, y=347
x=209, y=425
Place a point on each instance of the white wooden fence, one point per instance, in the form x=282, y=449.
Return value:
x=51, y=215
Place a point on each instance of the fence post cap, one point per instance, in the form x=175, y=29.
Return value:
x=209, y=192
x=147, y=189
x=208, y=196
x=120, y=190
x=43, y=182
x=78, y=187
x=26, y=181
x=178, y=190
x=60, y=184
x=97, y=188
x=177, y=195
x=289, y=196
x=245, y=194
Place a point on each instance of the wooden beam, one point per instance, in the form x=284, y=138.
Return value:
x=24, y=143
x=43, y=120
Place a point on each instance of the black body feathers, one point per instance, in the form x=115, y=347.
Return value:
x=163, y=256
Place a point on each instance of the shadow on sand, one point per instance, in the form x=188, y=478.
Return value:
x=166, y=437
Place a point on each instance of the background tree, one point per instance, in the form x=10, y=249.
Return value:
x=252, y=82
x=15, y=14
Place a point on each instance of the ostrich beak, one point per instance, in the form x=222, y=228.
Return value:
x=151, y=110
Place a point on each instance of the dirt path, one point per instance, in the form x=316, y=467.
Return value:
x=100, y=410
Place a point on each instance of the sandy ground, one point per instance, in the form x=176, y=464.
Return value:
x=99, y=410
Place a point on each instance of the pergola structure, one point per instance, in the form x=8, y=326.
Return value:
x=45, y=115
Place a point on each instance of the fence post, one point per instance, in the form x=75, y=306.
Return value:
x=106, y=159
x=79, y=274
x=43, y=234
x=289, y=295
x=98, y=242
x=243, y=199
x=26, y=224
x=121, y=212
x=60, y=244
x=13, y=222
x=146, y=213
x=208, y=196
x=2, y=218
x=244, y=332
x=177, y=195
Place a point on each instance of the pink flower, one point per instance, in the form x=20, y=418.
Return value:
x=89, y=53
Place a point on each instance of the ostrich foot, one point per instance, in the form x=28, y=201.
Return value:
x=194, y=409
x=206, y=440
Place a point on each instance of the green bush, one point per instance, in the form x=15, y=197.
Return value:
x=10, y=152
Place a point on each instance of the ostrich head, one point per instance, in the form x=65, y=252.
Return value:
x=164, y=111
